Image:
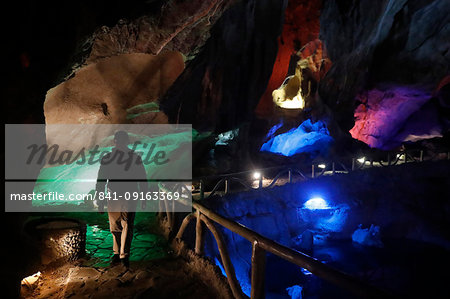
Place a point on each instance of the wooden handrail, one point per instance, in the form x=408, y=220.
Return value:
x=291, y=169
x=316, y=267
x=226, y=262
x=261, y=245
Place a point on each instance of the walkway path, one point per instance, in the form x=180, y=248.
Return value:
x=154, y=272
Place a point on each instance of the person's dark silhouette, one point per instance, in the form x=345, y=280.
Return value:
x=122, y=173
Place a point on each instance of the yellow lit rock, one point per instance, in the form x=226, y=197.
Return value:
x=31, y=281
x=289, y=94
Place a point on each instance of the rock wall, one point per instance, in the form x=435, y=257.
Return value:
x=230, y=47
x=301, y=25
x=102, y=92
x=180, y=26
x=390, y=116
x=403, y=42
x=221, y=87
x=131, y=64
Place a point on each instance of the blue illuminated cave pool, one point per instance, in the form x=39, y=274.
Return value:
x=384, y=231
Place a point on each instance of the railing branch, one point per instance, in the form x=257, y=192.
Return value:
x=258, y=271
x=226, y=262
x=314, y=266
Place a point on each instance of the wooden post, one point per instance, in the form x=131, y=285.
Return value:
x=333, y=168
x=198, y=235
x=184, y=224
x=226, y=262
x=258, y=271
x=226, y=186
x=312, y=171
x=290, y=175
x=316, y=267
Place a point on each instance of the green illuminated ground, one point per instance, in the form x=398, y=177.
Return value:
x=154, y=272
x=146, y=244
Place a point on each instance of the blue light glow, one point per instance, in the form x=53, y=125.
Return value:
x=305, y=272
x=220, y=266
x=309, y=137
x=316, y=203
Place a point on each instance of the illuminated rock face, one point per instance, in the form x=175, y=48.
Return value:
x=180, y=26
x=296, y=90
x=102, y=92
x=289, y=94
x=387, y=117
x=221, y=86
x=58, y=238
x=310, y=138
x=301, y=25
x=371, y=42
x=314, y=61
x=397, y=199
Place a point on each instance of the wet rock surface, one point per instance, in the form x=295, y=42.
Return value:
x=58, y=238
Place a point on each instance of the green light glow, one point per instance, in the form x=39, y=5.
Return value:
x=81, y=179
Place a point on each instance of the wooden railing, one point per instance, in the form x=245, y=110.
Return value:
x=317, y=169
x=262, y=245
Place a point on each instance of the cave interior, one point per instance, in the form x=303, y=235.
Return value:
x=355, y=94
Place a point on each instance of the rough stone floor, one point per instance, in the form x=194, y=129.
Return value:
x=154, y=272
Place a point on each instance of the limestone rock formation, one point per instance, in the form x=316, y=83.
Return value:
x=101, y=93
x=289, y=94
x=371, y=42
x=155, y=26
x=313, y=60
x=180, y=26
x=389, y=116
x=301, y=25
x=298, y=88
x=222, y=85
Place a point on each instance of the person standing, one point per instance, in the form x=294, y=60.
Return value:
x=120, y=174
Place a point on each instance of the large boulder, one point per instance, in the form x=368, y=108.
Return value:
x=389, y=116
x=102, y=92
